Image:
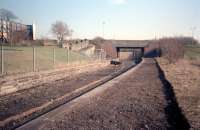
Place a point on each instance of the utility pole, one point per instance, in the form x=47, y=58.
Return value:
x=113, y=36
x=1, y=42
x=34, y=59
x=68, y=55
x=2, y=31
x=103, y=30
x=54, y=57
x=2, y=60
x=193, y=29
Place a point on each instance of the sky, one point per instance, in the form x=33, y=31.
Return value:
x=113, y=19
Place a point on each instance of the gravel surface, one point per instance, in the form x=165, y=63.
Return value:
x=137, y=101
x=24, y=100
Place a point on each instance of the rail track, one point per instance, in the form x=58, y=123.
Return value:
x=21, y=119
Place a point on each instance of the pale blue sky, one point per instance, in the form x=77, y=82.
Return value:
x=124, y=19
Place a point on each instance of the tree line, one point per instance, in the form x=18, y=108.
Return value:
x=171, y=48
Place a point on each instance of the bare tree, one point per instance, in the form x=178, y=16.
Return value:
x=61, y=31
x=98, y=41
x=6, y=16
x=171, y=48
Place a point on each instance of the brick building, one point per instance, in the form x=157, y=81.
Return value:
x=13, y=32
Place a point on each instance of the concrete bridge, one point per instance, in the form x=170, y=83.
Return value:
x=130, y=51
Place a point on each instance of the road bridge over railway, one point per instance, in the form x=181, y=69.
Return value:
x=131, y=50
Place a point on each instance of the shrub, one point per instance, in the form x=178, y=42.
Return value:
x=171, y=48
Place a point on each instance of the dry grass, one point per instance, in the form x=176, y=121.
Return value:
x=192, y=52
x=184, y=77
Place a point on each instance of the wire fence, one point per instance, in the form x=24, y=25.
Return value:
x=35, y=59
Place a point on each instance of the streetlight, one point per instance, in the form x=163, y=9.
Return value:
x=103, y=24
x=193, y=29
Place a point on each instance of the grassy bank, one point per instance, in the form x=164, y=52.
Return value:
x=192, y=52
x=20, y=59
x=184, y=77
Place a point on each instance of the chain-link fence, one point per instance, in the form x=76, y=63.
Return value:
x=34, y=59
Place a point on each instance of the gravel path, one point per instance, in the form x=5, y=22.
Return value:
x=136, y=100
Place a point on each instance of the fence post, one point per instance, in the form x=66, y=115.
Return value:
x=2, y=60
x=54, y=57
x=75, y=59
x=67, y=56
x=33, y=59
x=105, y=55
x=100, y=54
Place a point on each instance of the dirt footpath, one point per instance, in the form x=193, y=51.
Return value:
x=140, y=99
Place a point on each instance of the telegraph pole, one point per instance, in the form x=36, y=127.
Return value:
x=1, y=42
x=2, y=31
x=34, y=59
x=2, y=59
x=103, y=30
x=193, y=29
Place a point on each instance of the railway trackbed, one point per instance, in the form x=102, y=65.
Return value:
x=22, y=81
x=139, y=99
x=35, y=110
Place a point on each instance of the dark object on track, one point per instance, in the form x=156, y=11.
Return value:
x=115, y=62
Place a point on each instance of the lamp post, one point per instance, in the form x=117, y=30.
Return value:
x=193, y=29
x=103, y=30
x=1, y=42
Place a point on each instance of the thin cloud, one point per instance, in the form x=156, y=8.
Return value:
x=119, y=2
